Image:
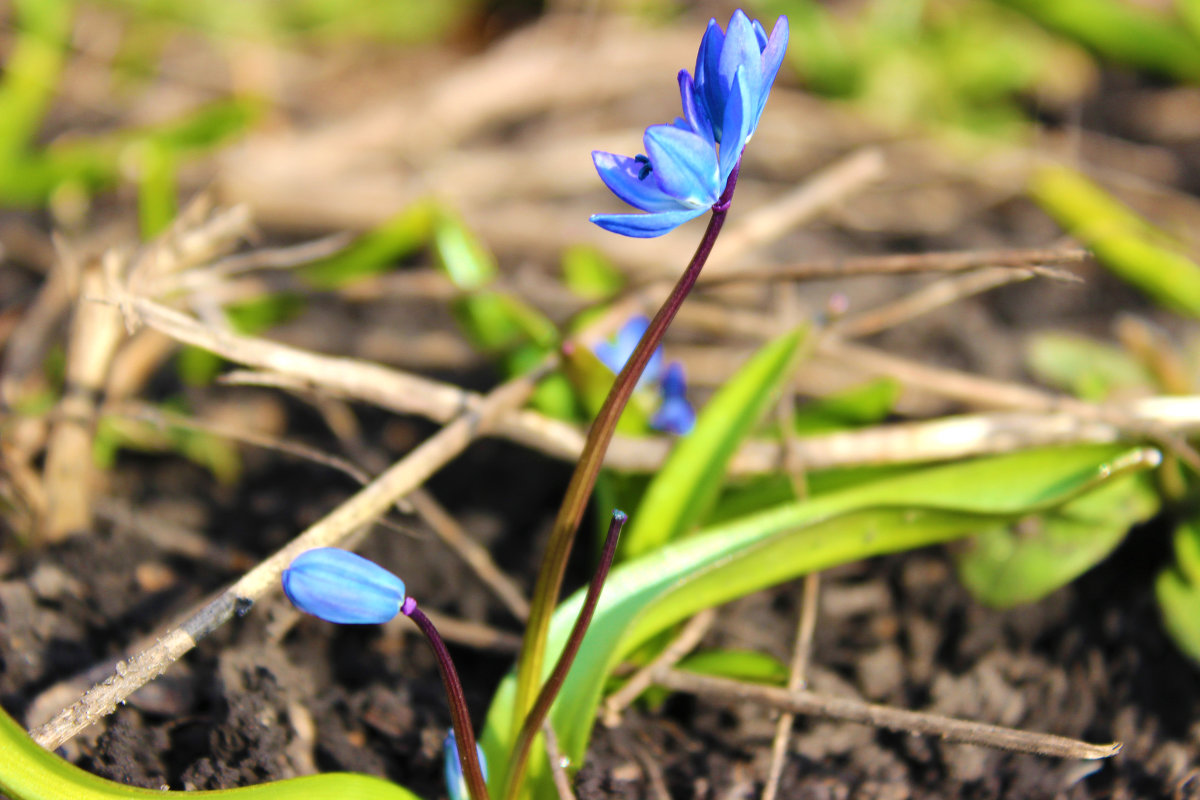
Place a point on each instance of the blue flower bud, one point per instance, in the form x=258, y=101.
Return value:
x=456, y=782
x=340, y=586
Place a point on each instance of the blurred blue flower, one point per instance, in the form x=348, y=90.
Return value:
x=456, y=782
x=340, y=586
x=614, y=354
x=688, y=163
x=674, y=413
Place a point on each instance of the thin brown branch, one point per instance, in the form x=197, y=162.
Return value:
x=473, y=554
x=894, y=719
x=905, y=264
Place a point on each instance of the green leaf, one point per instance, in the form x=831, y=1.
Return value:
x=1122, y=31
x=588, y=273
x=33, y=773
x=922, y=507
x=1187, y=549
x=376, y=251
x=1179, y=602
x=1122, y=241
x=1022, y=562
x=686, y=487
x=745, y=665
x=861, y=405
x=1082, y=366
x=465, y=259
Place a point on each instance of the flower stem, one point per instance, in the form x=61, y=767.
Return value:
x=541, y=707
x=583, y=480
x=464, y=735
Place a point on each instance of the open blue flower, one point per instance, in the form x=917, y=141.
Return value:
x=745, y=49
x=343, y=587
x=456, y=782
x=687, y=164
x=675, y=414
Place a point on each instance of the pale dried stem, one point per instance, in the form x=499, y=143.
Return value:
x=906, y=264
x=361, y=509
x=687, y=640
x=927, y=299
x=895, y=719
x=801, y=654
x=473, y=554
x=562, y=782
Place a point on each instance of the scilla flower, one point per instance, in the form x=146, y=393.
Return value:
x=687, y=164
x=456, y=782
x=342, y=587
x=674, y=414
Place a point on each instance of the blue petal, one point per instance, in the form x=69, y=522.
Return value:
x=674, y=382
x=645, y=226
x=456, y=782
x=772, y=58
x=340, y=586
x=620, y=174
x=685, y=165
x=737, y=124
x=675, y=415
x=760, y=33
x=696, y=117
x=709, y=93
x=741, y=50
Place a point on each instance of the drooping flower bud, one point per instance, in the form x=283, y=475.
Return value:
x=343, y=587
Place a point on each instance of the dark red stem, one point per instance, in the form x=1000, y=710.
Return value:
x=550, y=689
x=464, y=735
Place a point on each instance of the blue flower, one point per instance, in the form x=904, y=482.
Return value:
x=687, y=164
x=674, y=413
x=456, y=782
x=340, y=586
x=614, y=354
x=744, y=49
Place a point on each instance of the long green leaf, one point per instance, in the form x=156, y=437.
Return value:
x=29, y=772
x=919, y=508
x=688, y=484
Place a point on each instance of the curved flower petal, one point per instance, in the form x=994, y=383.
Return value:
x=645, y=226
x=737, y=124
x=343, y=587
x=772, y=59
x=708, y=62
x=621, y=175
x=696, y=117
x=741, y=50
x=685, y=165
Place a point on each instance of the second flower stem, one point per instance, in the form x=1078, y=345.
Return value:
x=587, y=469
